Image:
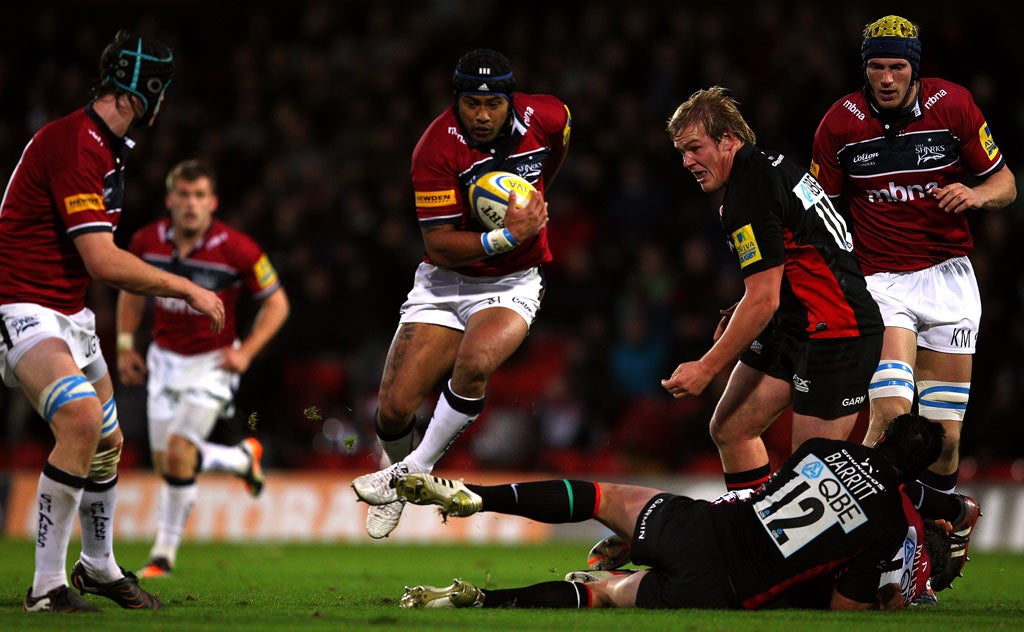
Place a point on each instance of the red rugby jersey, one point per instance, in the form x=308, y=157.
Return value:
x=444, y=164
x=224, y=261
x=68, y=182
x=898, y=226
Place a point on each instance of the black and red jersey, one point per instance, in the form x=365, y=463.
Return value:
x=225, y=261
x=832, y=505
x=886, y=169
x=68, y=182
x=775, y=213
x=445, y=163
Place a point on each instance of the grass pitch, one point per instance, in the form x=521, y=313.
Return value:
x=255, y=587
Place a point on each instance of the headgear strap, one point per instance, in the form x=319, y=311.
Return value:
x=144, y=67
x=484, y=71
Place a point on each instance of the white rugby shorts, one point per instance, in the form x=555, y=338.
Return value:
x=186, y=394
x=442, y=297
x=941, y=304
x=26, y=324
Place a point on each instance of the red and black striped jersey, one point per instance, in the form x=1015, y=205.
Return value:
x=224, y=261
x=887, y=173
x=445, y=163
x=774, y=213
x=68, y=182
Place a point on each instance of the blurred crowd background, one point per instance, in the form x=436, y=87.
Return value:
x=309, y=112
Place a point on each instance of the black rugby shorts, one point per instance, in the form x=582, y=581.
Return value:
x=830, y=376
x=675, y=537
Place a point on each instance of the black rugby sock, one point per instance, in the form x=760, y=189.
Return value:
x=544, y=595
x=933, y=504
x=942, y=483
x=749, y=479
x=552, y=502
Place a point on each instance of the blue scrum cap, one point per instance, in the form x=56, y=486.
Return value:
x=484, y=71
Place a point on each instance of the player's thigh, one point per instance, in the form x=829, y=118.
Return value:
x=616, y=592
x=492, y=336
x=900, y=344
x=809, y=426
x=421, y=354
x=104, y=387
x=621, y=505
x=49, y=360
x=750, y=403
x=944, y=367
x=193, y=422
x=42, y=365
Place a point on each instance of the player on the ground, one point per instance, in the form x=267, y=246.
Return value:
x=194, y=372
x=477, y=292
x=57, y=222
x=832, y=506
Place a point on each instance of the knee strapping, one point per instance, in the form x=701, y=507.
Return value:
x=943, y=401
x=892, y=378
x=109, y=418
x=104, y=464
x=62, y=391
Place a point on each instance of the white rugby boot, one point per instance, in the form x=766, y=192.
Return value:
x=381, y=520
x=378, y=488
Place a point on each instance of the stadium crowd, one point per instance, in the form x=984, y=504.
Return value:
x=309, y=112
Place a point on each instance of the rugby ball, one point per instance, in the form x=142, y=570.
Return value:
x=488, y=196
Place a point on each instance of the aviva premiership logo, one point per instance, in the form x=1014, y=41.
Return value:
x=746, y=246
x=987, y=141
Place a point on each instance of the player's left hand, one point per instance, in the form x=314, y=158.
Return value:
x=527, y=221
x=956, y=197
x=235, y=360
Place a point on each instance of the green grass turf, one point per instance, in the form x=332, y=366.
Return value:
x=255, y=587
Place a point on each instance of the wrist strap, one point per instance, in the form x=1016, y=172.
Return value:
x=498, y=241
x=125, y=341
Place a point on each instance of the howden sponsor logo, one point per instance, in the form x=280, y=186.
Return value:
x=432, y=199
x=83, y=202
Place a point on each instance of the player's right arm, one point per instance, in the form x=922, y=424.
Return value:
x=131, y=368
x=450, y=247
x=751, y=315
x=106, y=262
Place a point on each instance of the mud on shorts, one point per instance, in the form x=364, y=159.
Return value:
x=24, y=325
x=941, y=304
x=176, y=380
x=675, y=537
x=442, y=297
x=830, y=376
